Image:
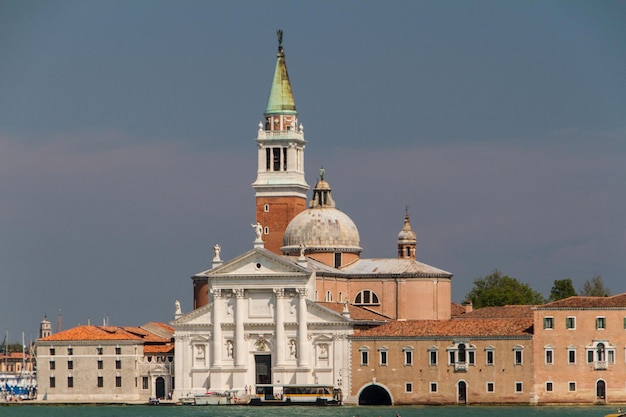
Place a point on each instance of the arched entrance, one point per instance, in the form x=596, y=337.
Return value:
x=601, y=391
x=462, y=392
x=374, y=395
x=160, y=387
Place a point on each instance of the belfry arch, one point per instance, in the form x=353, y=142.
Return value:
x=374, y=394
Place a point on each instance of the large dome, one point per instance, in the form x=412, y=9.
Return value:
x=322, y=227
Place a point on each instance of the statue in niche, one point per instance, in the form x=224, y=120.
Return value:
x=200, y=351
x=229, y=348
x=293, y=352
x=323, y=351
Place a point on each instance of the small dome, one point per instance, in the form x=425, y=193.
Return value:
x=407, y=235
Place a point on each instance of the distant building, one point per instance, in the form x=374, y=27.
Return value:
x=106, y=363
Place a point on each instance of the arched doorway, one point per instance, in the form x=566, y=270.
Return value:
x=462, y=392
x=374, y=395
x=601, y=391
x=160, y=387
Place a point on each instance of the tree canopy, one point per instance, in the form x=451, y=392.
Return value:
x=595, y=287
x=497, y=289
x=562, y=288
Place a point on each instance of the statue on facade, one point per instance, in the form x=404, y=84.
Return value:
x=322, y=172
x=293, y=352
x=177, y=309
x=258, y=229
x=216, y=251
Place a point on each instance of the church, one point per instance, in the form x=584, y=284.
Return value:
x=283, y=313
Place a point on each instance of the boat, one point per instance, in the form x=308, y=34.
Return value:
x=296, y=394
x=618, y=414
x=228, y=397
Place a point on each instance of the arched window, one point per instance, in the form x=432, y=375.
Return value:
x=366, y=297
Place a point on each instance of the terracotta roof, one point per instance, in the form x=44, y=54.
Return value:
x=106, y=333
x=618, y=300
x=356, y=312
x=451, y=328
x=14, y=356
x=501, y=312
x=457, y=309
x=167, y=348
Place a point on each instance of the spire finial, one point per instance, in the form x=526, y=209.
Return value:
x=279, y=33
x=322, y=171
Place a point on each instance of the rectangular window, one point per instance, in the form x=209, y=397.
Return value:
x=549, y=357
x=518, y=387
x=408, y=357
x=337, y=259
x=518, y=357
x=572, y=386
x=118, y=381
x=364, y=357
x=144, y=382
x=70, y=364
x=118, y=350
x=100, y=382
x=433, y=357
x=611, y=356
x=570, y=323
x=52, y=352
x=70, y=382
x=268, y=159
x=452, y=358
x=490, y=387
x=549, y=386
x=548, y=322
x=571, y=356
x=433, y=387
x=99, y=350
x=284, y=159
x=489, y=357
x=70, y=351
x=276, y=152
x=118, y=364
x=52, y=365
x=383, y=357
x=590, y=356
x=470, y=357
x=408, y=387
x=100, y=364
x=53, y=382
x=600, y=323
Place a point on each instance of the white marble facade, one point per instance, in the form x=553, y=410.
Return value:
x=261, y=326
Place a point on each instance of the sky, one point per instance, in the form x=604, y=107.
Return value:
x=127, y=141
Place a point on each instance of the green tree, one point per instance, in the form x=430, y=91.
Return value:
x=497, y=289
x=594, y=287
x=562, y=288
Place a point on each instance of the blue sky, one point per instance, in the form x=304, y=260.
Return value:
x=127, y=141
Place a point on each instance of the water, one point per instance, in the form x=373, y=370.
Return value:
x=298, y=411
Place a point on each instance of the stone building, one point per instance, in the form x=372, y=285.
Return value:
x=106, y=363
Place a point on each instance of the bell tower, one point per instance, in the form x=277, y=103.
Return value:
x=280, y=187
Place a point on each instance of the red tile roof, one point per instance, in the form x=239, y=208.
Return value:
x=89, y=332
x=168, y=348
x=451, y=328
x=501, y=312
x=618, y=300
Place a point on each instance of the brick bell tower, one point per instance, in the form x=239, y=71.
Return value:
x=280, y=187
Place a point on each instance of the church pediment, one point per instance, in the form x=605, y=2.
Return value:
x=321, y=314
x=200, y=316
x=257, y=262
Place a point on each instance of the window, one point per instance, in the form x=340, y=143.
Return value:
x=99, y=350
x=266, y=208
x=408, y=356
x=118, y=381
x=571, y=386
x=600, y=323
x=329, y=296
x=571, y=356
x=548, y=323
x=70, y=381
x=118, y=350
x=366, y=297
x=570, y=323
x=433, y=357
x=52, y=365
x=70, y=364
x=52, y=352
x=490, y=387
x=489, y=357
x=118, y=364
x=284, y=159
x=53, y=382
x=268, y=159
x=144, y=382
x=549, y=386
x=337, y=259
x=518, y=357
x=266, y=230
x=433, y=387
x=364, y=356
x=383, y=356
x=518, y=387
x=276, y=159
x=549, y=355
x=100, y=364
x=100, y=381
x=70, y=351
x=408, y=387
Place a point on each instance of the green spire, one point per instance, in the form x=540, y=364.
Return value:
x=281, y=97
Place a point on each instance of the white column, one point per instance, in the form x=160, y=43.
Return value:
x=218, y=309
x=280, y=326
x=303, y=345
x=240, y=351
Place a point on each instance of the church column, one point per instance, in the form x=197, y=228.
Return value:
x=240, y=353
x=280, y=326
x=218, y=309
x=303, y=345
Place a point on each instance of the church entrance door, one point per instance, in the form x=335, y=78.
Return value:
x=160, y=387
x=263, y=365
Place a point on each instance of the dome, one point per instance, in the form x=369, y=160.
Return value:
x=322, y=227
x=407, y=235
